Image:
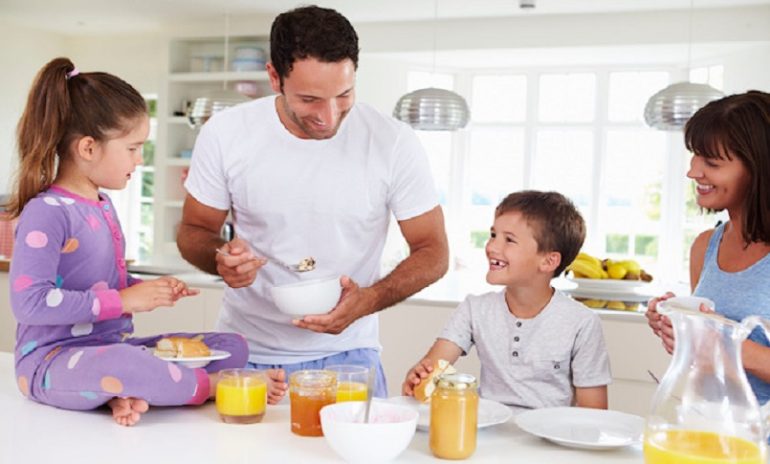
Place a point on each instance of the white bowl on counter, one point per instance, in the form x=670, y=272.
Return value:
x=387, y=434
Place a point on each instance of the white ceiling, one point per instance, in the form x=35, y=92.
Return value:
x=80, y=17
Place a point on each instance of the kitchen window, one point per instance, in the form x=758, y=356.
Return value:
x=580, y=132
x=134, y=204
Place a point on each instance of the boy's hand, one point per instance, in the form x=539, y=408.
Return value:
x=420, y=371
x=150, y=294
x=276, y=385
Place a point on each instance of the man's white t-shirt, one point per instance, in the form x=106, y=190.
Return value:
x=292, y=198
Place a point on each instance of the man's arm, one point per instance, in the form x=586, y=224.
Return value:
x=198, y=239
x=428, y=260
x=198, y=236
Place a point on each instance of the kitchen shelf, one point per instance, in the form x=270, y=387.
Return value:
x=218, y=76
x=178, y=161
x=184, y=82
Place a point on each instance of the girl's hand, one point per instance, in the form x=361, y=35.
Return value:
x=415, y=375
x=180, y=288
x=148, y=295
x=276, y=385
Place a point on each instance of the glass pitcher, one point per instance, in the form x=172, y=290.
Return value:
x=704, y=410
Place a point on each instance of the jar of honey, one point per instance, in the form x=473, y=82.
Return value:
x=309, y=391
x=454, y=408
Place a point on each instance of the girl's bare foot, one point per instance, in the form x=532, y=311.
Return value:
x=127, y=411
x=276, y=385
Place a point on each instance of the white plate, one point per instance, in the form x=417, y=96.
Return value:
x=609, y=285
x=583, y=427
x=490, y=412
x=630, y=295
x=200, y=361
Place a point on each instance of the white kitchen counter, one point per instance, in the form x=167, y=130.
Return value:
x=35, y=433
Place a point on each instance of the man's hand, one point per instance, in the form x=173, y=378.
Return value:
x=354, y=303
x=237, y=264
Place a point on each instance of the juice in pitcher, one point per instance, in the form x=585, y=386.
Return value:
x=699, y=447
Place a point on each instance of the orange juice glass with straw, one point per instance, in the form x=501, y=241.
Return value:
x=241, y=395
x=351, y=382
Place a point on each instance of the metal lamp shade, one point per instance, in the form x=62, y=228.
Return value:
x=670, y=108
x=205, y=107
x=433, y=109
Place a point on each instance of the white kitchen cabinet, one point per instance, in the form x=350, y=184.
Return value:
x=408, y=330
x=193, y=314
x=196, y=67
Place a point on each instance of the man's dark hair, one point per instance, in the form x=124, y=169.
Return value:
x=311, y=32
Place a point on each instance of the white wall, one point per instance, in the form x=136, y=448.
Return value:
x=23, y=52
x=140, y=58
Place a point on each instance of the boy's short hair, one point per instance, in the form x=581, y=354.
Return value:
x=556, y=223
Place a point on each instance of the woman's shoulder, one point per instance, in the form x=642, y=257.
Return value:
x=702, y=240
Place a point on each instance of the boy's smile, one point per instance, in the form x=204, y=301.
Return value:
x=512, y=251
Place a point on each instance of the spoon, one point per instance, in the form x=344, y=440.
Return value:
x=369, y=393
x=305, y=265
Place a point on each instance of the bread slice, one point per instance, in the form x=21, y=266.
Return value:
x=425, y=388
x=181, y=347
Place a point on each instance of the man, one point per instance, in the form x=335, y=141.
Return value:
x=310, y=172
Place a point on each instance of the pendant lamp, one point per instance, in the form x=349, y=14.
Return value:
x=433, y=109
x=206, y=106
x=672, y=107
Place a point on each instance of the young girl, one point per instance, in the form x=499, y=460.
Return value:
x=730, y=264
x=70, y=291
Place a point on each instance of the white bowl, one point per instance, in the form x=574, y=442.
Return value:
x=388, y=433
x=308, y=296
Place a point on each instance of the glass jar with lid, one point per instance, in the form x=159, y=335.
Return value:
x=454, y=408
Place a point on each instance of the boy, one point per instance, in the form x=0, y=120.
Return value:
x=538, y=347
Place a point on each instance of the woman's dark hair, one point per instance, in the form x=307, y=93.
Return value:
x=739, y=125
x=62, y=106
x=311, y=32
x=554, y=219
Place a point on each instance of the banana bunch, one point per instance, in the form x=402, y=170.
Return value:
x=586, y=266
x=611, y=304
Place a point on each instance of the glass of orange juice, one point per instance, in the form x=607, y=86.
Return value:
x=351, y=382
x=309, y=391
x=241, y=395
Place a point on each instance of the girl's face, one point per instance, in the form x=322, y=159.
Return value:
x=116, y=158
x=512, y=251
x=719, y=183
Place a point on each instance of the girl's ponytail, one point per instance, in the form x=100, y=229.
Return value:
x=41, y=128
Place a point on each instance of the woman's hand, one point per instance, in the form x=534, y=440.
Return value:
x=660, y=324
